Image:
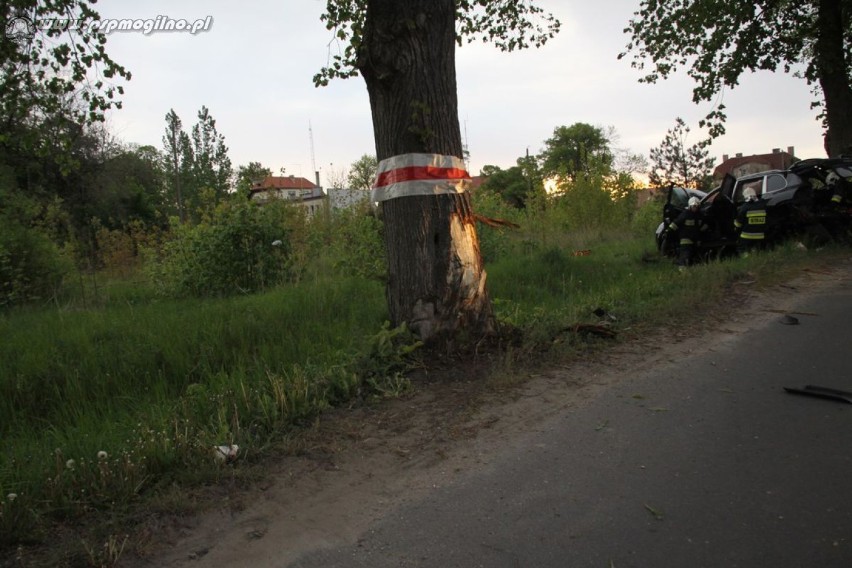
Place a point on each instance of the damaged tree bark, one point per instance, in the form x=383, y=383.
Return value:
x=436, y=281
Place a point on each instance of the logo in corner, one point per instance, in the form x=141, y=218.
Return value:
x=20, y=30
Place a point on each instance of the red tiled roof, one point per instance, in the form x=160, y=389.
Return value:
x=286, y=182
x=773, y=161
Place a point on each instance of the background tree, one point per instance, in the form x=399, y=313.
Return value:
x=211, y=167
x=336, y=177
x=249, y=175
x=675, y=163
x=128, y=187
x=405, y=49
x=178, y=152
x=575, y=151
x=516, y=184
x=718, y=41
x=362, y=172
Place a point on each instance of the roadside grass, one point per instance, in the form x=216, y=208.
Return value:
x=152, y=388
x=111, y=403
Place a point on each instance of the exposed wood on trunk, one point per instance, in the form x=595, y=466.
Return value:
x=436, y=280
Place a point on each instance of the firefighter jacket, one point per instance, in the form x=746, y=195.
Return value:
x=837, y=192
x=689, y=225
x=751, y=221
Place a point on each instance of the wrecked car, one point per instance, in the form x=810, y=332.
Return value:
x=799, y=201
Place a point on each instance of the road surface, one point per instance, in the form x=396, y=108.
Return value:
x=699, y=459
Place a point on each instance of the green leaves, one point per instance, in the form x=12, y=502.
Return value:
x=716, y=41
x=675, y=163
x=508, y=24
x=51, y=76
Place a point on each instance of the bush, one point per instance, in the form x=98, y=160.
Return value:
x=240, y=248
x=31, y=266
x=357, y=246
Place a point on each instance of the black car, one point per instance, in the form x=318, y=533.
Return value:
x=797, y=201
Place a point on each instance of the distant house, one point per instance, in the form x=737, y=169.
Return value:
x=344, y=198
x=299, y=190
x=740, y=165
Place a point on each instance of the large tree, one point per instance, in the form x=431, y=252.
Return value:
x=405, y=50
x=675, y=163
x=576, y=151
x=719, y=40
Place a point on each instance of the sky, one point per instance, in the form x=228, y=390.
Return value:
x=253, y=70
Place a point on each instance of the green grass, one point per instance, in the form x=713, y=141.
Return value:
x=154, y=384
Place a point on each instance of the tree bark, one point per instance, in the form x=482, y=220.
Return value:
x=436, y=278
x=833, y=75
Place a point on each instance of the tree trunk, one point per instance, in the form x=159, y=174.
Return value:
x=436, y=278
x=833, y=74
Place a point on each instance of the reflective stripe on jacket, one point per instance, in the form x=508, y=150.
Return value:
x=751, y=221
x=690, y=224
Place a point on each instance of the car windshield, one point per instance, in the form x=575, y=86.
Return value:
x=680, y=196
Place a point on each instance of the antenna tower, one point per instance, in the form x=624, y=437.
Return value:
x=313, y=158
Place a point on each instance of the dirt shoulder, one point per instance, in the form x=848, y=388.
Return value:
x=357, y=464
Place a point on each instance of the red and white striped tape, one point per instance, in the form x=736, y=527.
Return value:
x=419, y=174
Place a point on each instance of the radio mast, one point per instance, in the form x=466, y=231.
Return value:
x=313, y=158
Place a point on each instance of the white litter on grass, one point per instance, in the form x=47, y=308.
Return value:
x=801, y=246
x=226, y=453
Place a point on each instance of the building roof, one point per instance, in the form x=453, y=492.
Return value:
x=283, y=182
x=777, y=160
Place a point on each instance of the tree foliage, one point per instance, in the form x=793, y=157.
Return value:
x=211, y=165
x=716, y=41
x=51, y=70
x=675, y=163
x=241, y=248
x=575, y=151
x=362, y=172
x=178, y=151
x=247, y=176
x=515, y=185
x=508, y=24
x=196, y=164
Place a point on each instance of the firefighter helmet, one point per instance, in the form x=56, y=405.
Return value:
x=693, y=202
x=749, y=194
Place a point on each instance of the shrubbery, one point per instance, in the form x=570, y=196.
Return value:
x=240, y=248
x=31, y=265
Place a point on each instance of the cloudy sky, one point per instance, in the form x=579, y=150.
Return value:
x=253, y=70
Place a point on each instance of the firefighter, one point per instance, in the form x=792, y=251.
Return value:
x=689, y=225
x=835, y=186
x=751, y=223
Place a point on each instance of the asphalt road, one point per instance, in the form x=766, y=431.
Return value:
x=706, y=462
